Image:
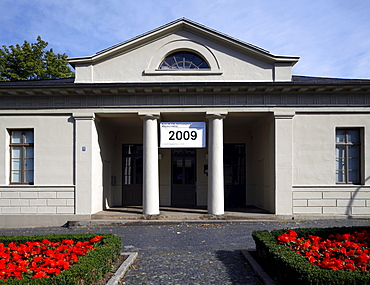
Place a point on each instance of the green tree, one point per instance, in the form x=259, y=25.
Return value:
x=32, y=62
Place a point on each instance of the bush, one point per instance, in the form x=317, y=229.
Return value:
x=89, y=268
x=288, y=267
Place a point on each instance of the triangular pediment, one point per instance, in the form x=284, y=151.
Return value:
x=139, y=59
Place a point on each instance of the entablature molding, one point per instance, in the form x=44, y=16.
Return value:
x=235, y=88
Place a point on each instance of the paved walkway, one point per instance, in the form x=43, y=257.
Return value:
x=189, y=253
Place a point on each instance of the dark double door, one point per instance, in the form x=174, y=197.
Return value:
x=183, y=186
x=234, y=176
x=132, y=175
x=183, y=177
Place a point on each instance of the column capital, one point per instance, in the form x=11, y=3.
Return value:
x=216, y=115
x=83, y=116
x=284, y=114
x=145, y=116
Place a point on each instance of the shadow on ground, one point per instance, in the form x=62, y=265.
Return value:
x=237, y=269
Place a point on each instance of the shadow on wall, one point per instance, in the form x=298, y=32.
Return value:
x=353, y=198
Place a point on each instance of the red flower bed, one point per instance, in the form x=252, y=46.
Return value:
x=41, y=259
x=341, y=251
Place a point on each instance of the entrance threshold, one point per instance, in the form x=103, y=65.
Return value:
x=182, y=214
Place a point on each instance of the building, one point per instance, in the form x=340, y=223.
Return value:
x=183, y=116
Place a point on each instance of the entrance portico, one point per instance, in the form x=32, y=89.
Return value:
x=151, y=171
x=216, y=176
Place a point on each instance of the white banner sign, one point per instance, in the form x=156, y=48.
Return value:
x=183, y=135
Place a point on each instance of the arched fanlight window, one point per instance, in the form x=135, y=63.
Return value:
x=183, y=60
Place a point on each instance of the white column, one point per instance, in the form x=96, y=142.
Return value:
x=284, y=162
x=215, y=164
x=88, y=165
x=150, y=172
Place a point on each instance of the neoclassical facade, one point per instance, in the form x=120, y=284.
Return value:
x=183, y=116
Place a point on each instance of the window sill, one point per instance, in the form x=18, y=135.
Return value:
x=182, y=72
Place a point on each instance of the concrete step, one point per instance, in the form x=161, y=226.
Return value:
x=169, y=215
x=165, y=221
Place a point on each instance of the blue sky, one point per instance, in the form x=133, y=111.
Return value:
x=332, y=37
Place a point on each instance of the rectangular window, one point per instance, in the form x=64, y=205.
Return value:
x=348, y=159
x=22, y=157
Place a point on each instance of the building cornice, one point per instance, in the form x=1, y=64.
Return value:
x=88, y=89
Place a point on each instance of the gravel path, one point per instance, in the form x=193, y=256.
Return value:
x=189, y=253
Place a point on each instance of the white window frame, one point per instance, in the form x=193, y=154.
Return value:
x=24, y=178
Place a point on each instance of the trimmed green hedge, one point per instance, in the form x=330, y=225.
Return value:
x=287, y=267
x=89, y=268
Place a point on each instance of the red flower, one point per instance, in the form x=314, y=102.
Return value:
x=95, y=239
x=340, y=251
x=41, y=259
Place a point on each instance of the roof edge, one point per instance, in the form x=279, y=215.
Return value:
x=70, y=82
x=181, y=23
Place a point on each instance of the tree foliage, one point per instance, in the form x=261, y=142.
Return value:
x=32, y=61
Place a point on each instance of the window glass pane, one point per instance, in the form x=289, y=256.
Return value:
x=22, y=156
x=189, y=56
x=139, y=149
x=203, y=65
x=170, y=60
x=340, y=160
x=354, y=176
x=127, y=171
x=29, y=136
x=164, y=65
x=340, y=176
x=353, y=136
x=16, y=152
x=132, y=164
x=16, y=177
x=139, y=170
x=197, y=60
x=16, y=136
x=127, y=149
x=177, y=171
x=354, y=152
x=16, y=164
x=29, y=152
x=341, y=136
x=183, y=60
x=353, y=164
x=340, y=152
x=29, y=176
x=28, y=164
x=178, y=57
x=348, y=160
x=340, y=164
x=189, y=170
